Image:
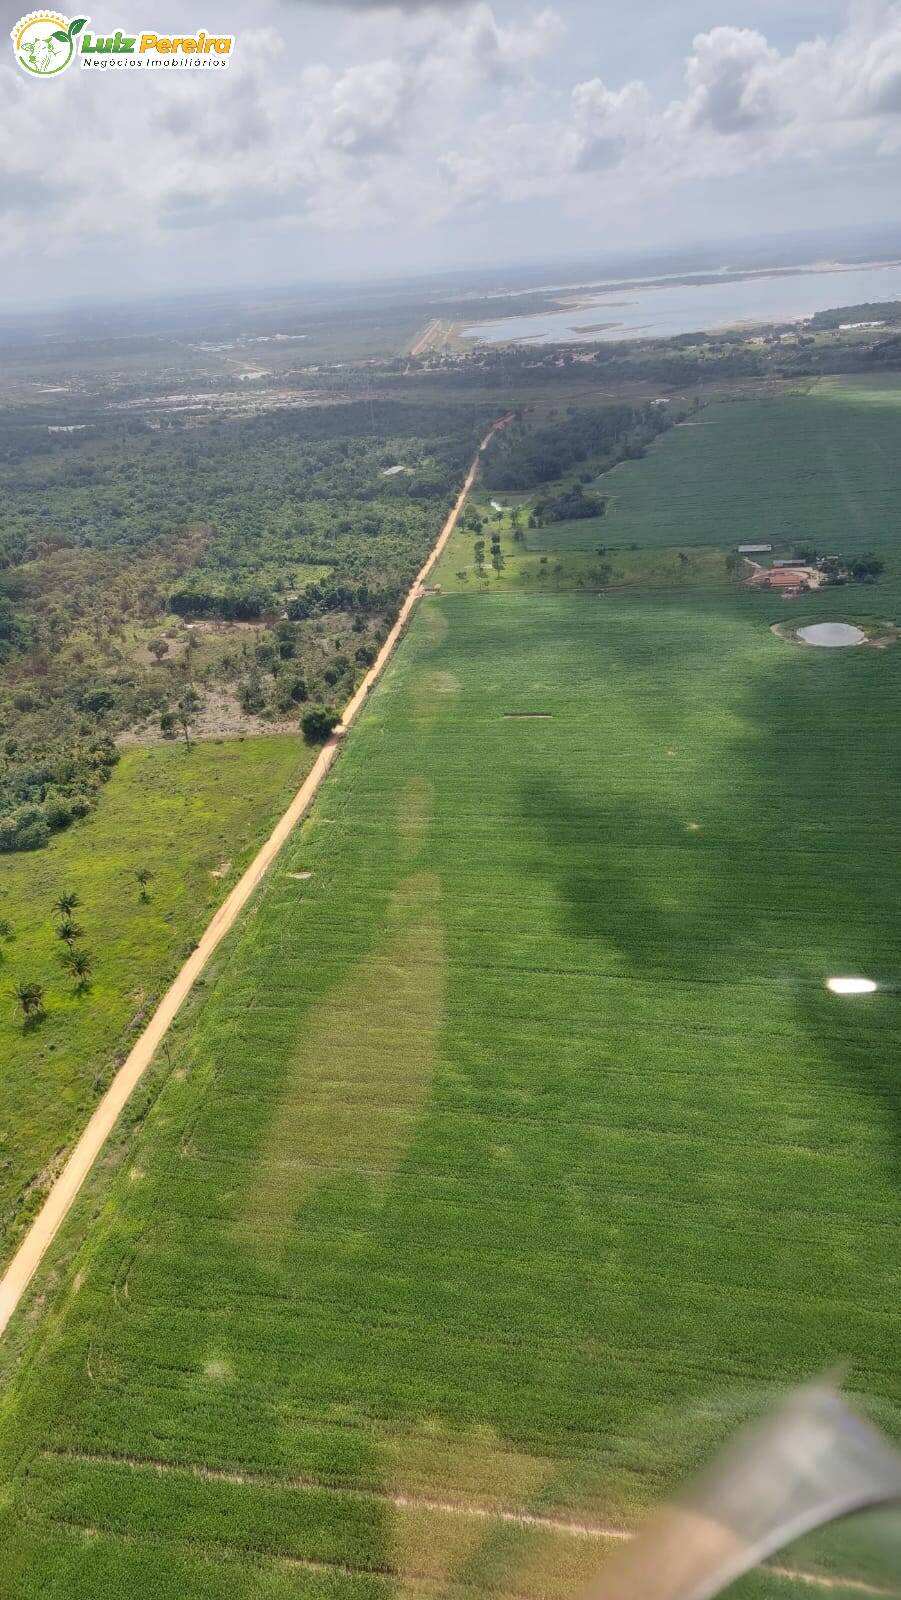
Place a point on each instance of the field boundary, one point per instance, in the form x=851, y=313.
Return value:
x=67, y=1186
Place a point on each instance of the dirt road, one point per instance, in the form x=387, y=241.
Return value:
x=59, y=1201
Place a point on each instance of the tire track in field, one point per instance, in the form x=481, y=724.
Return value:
x=401, y=1502
x=65, y=1189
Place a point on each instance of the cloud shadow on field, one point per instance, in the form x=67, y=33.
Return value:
x=783, y=882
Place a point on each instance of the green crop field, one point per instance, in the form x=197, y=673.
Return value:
x=823, y=466
x=182, y=815
x=586, y=534
x=517, y=1153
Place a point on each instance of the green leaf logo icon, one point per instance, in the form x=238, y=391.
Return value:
x=44, y=42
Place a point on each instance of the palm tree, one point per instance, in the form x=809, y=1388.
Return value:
x=69, y=932
x=30, y=996
x=144, y=876
x=66, y=904
x=80, y=963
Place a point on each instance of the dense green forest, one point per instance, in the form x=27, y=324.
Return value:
x=123, y=545
x=885, y=311
x=597, y=437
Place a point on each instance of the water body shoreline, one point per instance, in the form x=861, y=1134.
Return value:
x=661, y=307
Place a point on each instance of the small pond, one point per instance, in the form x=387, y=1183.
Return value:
x=832, y=635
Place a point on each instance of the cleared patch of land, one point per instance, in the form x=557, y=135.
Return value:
x=178, y=813
x=516, y=1154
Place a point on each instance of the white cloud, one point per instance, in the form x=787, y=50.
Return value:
x=607, y=122
x=361, y=111
x=746, y=105
x=394, y=5
x=409, y=120
x=729, y=81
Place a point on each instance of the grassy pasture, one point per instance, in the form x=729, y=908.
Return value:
x=823, y=466
x=516, y=1153
x=585, y=534
x=182, y=814
x=563, y=571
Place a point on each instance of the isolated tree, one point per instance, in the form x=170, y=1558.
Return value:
x=865, y=569
x=69, y=932
x=143, y=876
x=65, y=904
x=186, y=711
x=318, y=723
x=6, y=930
x=80, y=963
x=158, y=648
x=30, y=999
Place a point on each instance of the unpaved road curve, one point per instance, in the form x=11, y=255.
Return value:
x=43, y=1230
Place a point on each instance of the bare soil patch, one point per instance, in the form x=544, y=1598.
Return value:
x=220, y=718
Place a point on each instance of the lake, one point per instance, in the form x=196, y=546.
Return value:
x=657, y=311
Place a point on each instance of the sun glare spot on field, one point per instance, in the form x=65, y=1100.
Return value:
x=851, y=985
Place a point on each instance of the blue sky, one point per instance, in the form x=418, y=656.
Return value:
x=355, y=138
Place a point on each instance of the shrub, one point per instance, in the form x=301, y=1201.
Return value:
x=317, y=723
x=96, y=698
x=250, y=694
x=23, y=829
x=57, y=811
